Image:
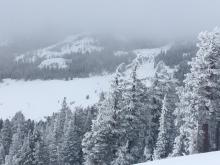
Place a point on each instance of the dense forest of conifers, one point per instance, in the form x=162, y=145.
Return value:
x=81, y=65
x=176, y=115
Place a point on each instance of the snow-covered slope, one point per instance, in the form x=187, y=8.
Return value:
x=211, y=158
x=151, y=53
x=146, y=58
x=78, y=44
x=120, y=53
x=40, y=98
x=54, y=63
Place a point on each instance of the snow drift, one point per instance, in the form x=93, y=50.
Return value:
x=211, y=158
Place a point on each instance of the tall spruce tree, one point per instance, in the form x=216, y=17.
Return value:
x=41, y=151
x=26, y=156
x=13, y=157
x=135, y=117
x=165, y=140
x=201, y=98
x=167, y=129
x=71, y=147
x=6, y=136
x=160, y=86
x=100, y=144
x=2, y=154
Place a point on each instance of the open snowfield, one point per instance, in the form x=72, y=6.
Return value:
x=38, y=98
x=211, y=158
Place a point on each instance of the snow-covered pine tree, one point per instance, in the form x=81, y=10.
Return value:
x=100, y=144
x=18, y=121
x=135, y=117
x=53, y=151
x=15, y=147
x=61, y=124
x=41, y=152
x=122, y=156
x=167, y=131
x=26, y=156
x=2, y=154
x=51, y=141
x=38, y=146
x=1, y=124
x=19, y=132
x=71, y=148
x=61, y=121
x=166, y=134
x=156, y=94
x=6, y=136
x=180, y=139
x=201, y=98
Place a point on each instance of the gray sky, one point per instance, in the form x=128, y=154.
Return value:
x=155, y=18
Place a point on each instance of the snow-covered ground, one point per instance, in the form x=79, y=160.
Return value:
x=38, y=98
x=147, y=68
x=211, y=158
x=120, y=53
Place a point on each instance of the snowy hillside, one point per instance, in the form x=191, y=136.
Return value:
x=54, y=63
x=75, y=44
x=146, y=57
x=120, y=53
x=40, y=98
x=212, y=158
x=151, y=53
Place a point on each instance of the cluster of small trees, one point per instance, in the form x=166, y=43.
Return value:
x=134, y=122
x=55, y=141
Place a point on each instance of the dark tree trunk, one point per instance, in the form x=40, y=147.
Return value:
x=218, y=136
x=205, y=138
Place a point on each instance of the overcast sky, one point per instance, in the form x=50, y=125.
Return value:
x=159, y=18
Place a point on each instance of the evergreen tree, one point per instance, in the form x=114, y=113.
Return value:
x=6, y=136
x=1, y=124
x=123, y=156
x=61, y=120
x=135, y=117
x=166, y=134
x=160, y=86
x=53, y=151
x=13, y=157
x=61, y=125
x=71, y=149
x=18, y=122
x=2, y=154
x=100, y=144
x=26, y=157
x=201, y=97
x=41, y=153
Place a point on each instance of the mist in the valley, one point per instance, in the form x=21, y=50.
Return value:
x=165, y=19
